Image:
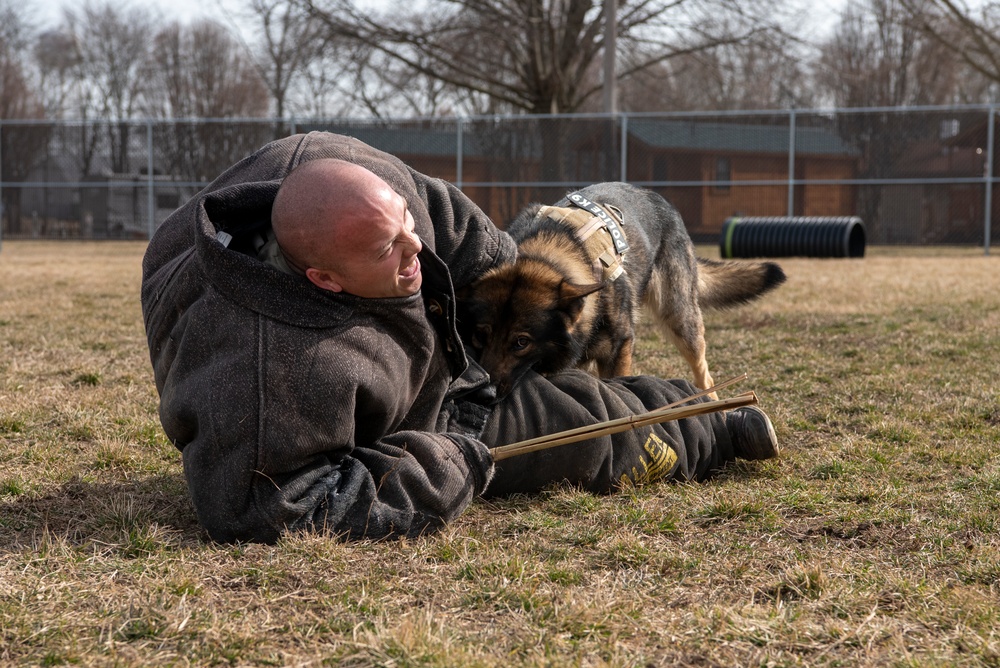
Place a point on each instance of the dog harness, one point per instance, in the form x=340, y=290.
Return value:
x=599, y=229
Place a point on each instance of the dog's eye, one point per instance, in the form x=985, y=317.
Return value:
x=521, y=342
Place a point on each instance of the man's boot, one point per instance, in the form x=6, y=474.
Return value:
x=752, y=433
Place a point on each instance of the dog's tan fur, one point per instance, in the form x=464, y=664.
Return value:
x=546, y=311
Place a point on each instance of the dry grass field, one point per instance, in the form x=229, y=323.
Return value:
x=873, y=541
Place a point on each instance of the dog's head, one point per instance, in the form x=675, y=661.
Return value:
x=527, y=315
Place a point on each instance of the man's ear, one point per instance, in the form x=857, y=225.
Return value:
x=323, y=280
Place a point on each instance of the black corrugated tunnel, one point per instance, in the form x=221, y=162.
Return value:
x=792, y=236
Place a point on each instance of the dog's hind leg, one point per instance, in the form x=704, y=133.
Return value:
x=676, y=308
x=691, y=345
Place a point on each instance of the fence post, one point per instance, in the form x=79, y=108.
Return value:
x=791, y=162
x=150, y=199
x=988, y=216
x=459, y=152
x=624, y=154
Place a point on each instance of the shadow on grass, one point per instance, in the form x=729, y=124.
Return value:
x=111, y=513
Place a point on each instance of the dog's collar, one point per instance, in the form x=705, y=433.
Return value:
x=599, y=229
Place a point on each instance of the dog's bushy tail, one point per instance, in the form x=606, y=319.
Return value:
x=734, y=282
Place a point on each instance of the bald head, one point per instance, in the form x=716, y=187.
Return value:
x=313, y=203
x=347, y=230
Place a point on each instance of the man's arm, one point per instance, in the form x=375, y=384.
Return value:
x=403, y=485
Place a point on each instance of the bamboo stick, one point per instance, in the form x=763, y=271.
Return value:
x=704, y=393
x=670, y=412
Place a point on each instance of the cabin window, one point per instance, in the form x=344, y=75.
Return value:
x=949, y=128
x=723, y=174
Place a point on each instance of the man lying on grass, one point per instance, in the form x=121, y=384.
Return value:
x=300, y=315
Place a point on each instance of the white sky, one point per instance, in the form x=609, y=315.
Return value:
x=46, y=13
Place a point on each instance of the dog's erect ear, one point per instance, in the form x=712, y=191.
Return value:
x=572, y=297
x=569, y=290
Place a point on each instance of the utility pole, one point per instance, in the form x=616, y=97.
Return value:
x=610, y=92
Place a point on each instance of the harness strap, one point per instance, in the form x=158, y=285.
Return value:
x=593, y=225
x=604, y=244
x=614, y=229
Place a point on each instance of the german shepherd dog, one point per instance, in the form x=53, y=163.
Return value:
x=557, y=306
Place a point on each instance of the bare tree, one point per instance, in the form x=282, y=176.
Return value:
x=336, y=77
x=15, y=29
x=971, y=35
x=878, y=57
x=287, y=42
x=360, y=84
x=22, y=146
x=202, y=72
x=58, y=59
x=882, y=54
x=328, y=86
x=113, y=48
x=765, y=72
x=537, y=56
x=113, y=45
x=381, y=86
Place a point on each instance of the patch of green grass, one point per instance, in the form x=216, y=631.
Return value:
x=895, y=433
x=627, y=553
x=571, y=503
x=13, y=487
x=11, y=425
x=565, y=577
x=81, y=431
x=59, y=659
x=800, y=583
x=89, y=379
x=722, y=510
x=829, y=470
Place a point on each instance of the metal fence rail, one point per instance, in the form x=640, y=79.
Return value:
x=918, y=175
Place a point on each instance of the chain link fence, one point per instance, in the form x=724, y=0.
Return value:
x=914, y=175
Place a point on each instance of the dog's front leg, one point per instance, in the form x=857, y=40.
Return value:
x=620, y=363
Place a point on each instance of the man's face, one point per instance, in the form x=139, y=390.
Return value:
x=375, y=252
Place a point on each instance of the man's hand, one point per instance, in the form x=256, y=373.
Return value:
x=469, y=402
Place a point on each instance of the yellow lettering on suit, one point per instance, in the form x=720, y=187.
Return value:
x=660, y=462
